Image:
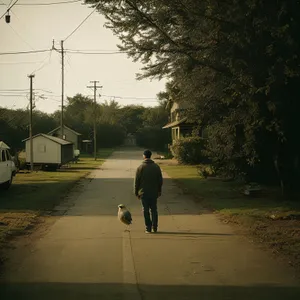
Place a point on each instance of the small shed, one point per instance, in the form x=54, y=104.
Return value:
x=49, y=150
x=69, y=135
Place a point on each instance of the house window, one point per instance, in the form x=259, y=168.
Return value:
x=3, y=157
x=42, y=148
x=8, y=156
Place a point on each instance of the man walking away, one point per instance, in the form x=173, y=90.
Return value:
x=147, y=187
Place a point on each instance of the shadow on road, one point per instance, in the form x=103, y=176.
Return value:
x=192, y=233
x=40, y=195
x=114, y=291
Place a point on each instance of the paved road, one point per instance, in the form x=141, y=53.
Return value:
x=87, y=255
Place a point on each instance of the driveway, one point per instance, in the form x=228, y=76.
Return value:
x=85, y=254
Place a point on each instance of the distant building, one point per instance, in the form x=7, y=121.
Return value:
x=178, y=122
x=69, y=135
x=49, y=150
x=180, y=127
x=130, y=140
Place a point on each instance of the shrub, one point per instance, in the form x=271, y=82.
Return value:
x=189, y=150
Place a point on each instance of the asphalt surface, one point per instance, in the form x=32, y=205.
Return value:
x=86, y=254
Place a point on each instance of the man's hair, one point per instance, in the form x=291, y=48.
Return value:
x=147, y=153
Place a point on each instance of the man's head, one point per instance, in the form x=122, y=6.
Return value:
x=147, y=154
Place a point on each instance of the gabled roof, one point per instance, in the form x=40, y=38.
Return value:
x=66, y=127
x=3, y=145
x=52, y=138
x=175, y=123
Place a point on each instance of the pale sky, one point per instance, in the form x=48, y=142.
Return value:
x=34, y=28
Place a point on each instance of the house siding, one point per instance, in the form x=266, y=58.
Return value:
x=44, y=151
x=70, y=136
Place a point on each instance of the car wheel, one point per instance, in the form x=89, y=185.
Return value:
x=6, y=185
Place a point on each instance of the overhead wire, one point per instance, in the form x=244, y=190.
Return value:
x=71, y=68
x=23, y=90
x=95, y=8
x=131, y=98
x=24, y=52
x=8, y=9
x=66, y=51
x=47, y=4
x=19, y=35
x=45, y=62
x=24, y=41
x=19, y=63
x=94, y=53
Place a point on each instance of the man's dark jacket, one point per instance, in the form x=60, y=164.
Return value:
x=148, y=180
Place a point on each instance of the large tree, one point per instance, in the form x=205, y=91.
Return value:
x=235, y=61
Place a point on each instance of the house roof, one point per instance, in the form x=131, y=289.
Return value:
x=57, y=128
x=3, y=145
x=175, y=123
x=52, y=138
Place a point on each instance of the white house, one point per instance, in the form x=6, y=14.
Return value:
x=69, y=135
x=49, y=150
x=177, y=121
x=180, y=127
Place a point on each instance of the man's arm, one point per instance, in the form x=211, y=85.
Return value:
x=137, y=181
x=160, y=181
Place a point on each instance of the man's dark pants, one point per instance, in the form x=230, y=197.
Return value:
x=150, y=205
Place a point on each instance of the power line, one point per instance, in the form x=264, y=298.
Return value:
x=96, y=6
x=9, y=8
x=93, y=53
x=24, y=52
x=94, y=50
x=23, y=91
x=66, y=51
x=130, y=98
x=45, y=62
x=11, y=95
x=20, y=62
x=46, y=4
x=23, y=40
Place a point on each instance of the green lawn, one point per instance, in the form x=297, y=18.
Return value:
x=252, y=214
x=33, y=193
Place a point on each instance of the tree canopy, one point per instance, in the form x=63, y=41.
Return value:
x=236, y=62
x=113, y=122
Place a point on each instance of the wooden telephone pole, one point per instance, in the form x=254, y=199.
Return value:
x=62, y=89
x=30, y=125
x=61, y=51
x=95, y=87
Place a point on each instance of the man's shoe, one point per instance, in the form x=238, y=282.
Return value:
x=146, y=231
x=154, y=230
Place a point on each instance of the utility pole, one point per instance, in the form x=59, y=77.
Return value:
x=62, y=89
x=62, y=84
x=30, y=125
x=95, y=87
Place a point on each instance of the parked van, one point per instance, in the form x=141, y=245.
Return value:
x=7, y=167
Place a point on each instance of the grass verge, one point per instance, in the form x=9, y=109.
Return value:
x=31, y=194
x=270, y=219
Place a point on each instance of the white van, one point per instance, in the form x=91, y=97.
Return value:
x=7, y=167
